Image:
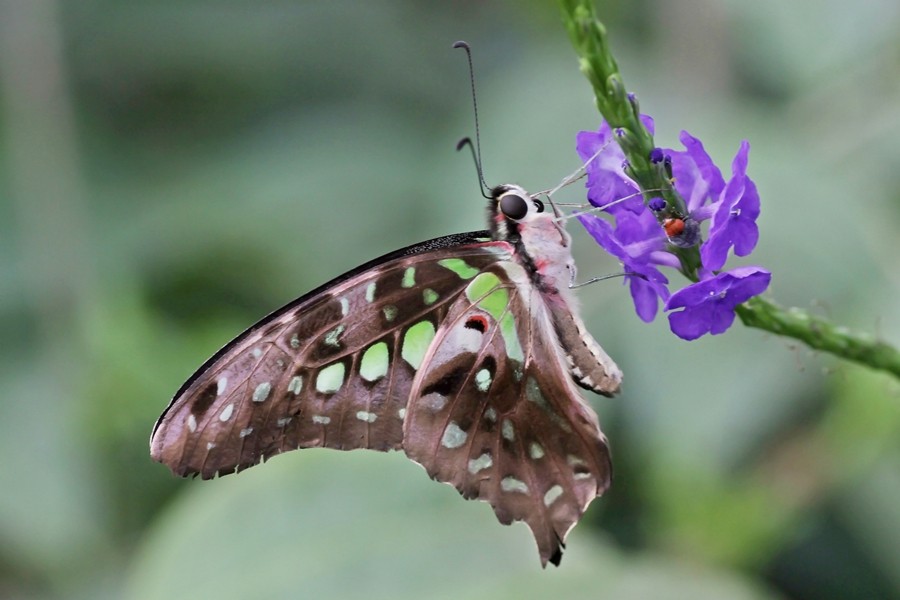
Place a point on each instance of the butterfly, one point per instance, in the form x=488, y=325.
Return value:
x=465, y=351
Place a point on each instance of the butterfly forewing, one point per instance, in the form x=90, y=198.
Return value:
x=334, y=369
x=495, y=413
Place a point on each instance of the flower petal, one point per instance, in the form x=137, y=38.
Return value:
x=697, y=178
x=709, y=304
x=734, y=223
x=688, y=326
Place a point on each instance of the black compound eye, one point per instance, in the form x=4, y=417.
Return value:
x=513, y=206
x=539, y=205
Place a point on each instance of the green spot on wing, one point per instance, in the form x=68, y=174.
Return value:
x=511, y=338
x=495, y=303
x=375, y=362
x=460, y=267
x=429, y=296
x=390, y=312
x=409, y=277
x=481, y=285
x=331, y=378
x=416, y=342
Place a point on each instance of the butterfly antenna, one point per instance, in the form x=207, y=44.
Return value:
x=476, y=149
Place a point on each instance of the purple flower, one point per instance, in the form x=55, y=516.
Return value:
x=642, y=244
x=606, y=178
x=639, y=243
x=709, y=304
x=734, y=222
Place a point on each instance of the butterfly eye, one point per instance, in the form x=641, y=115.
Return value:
x=513, y=206
x=539, y=205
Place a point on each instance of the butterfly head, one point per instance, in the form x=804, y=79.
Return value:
x=536, y=232
x=510, y=209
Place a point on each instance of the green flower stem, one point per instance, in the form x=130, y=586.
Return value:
x=820, y=334
x=597, y=63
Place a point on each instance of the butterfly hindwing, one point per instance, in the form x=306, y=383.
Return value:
x=333, y=369
x=495, y=413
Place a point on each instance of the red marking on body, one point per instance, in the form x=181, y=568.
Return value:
x=673, y=227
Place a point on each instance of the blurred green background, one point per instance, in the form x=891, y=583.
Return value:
x=173, y=170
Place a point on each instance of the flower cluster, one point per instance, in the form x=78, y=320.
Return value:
x=644, y=244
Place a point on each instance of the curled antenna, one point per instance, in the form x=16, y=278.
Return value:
x=467, y=141
x=476, y=149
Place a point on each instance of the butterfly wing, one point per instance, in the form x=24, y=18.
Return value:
x=332, y=369
x=495, y=412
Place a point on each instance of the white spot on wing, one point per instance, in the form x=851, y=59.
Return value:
x=262, y=392
x=454, y=437
x=481, y=463
x=575, y=461
x=490, y=414
x=434, y=401
x=552, y=494
x=368, y=417
x=511, y=484
x=319, y=419
x=345, y=307
x=296, y=385
x=332, y=338
x=210, y=445
x=283, y=421
x=245, y=432
x=221, y=385
x=506, y=429
x=401, y=413
x=192, y=423
x=370, y=292
x=459, y=339
x=536, y=451
x=226, y=412
x=483, y=380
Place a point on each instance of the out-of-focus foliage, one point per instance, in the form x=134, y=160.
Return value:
x=173, y=170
